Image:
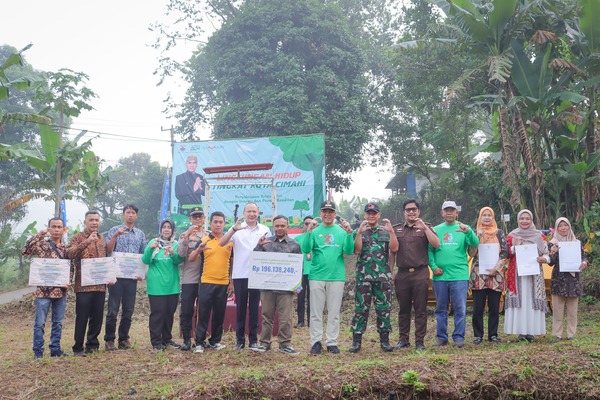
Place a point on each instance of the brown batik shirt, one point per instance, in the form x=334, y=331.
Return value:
x=38, y=246
x=79, y=249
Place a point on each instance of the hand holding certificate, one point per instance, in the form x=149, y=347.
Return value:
x=129, y=265
x=489, y=254
x=569, y=256
x=49, y=272
x=98, y=271
x=527, y=263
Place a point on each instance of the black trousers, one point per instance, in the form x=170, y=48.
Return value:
x=189, y=294
x=89, y=312
x=212, y=298
x=121, y=293
x=304, y=297
x=246, y=299
x=162, y=312
x=493, y=302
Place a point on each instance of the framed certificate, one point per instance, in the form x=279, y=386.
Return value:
x=489, y=254
x=49, y=272
x=275, y=271
x=97, y=271
x=527, y=263
x=129, y=265
x=569, y=256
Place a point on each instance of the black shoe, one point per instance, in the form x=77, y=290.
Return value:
x=495, y=339
x=187, y=345
x=477, y=340
x=58, y=353
x=384, y=342
x=522, y=338
x=403, y=344
x=333, y=349
x=356, y=343
x=172, y=345
x=316, y=348
x=158, y=347
x=529, y=338
x=239, y=346
x=419, y=345
x=38, y=356
x=90, y=350
x=299, y=325
x=253, y=346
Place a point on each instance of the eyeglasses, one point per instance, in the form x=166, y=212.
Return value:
x=306, y=223
x=411, y=209
x=197, y=216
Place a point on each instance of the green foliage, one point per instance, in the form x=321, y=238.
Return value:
x=411, y=377
x=278, y=69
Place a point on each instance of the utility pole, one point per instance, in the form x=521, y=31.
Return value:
x=172, y=139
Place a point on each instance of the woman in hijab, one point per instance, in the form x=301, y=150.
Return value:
x=162, y=285
x=490, y=285
x=525, y=303
x=565, y=287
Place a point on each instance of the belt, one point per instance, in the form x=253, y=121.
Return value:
x=412, y=269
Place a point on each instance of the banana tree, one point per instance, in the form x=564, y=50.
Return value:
x=75, y=158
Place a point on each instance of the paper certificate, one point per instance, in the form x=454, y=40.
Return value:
x=569, y=256
x=527, y=260
x=275, y=271
x=129, y=265
x=49, y=272
x=97, y=271
x=489, y=254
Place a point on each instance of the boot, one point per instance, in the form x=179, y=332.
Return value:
x=356, y=342
x=187, y=342
x=384, y=340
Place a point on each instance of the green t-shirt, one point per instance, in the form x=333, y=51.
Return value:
x=307, y=263
x=163, y=271
x=451, y=256
x=327, y=245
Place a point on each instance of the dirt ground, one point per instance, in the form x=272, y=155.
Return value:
x=545, y=369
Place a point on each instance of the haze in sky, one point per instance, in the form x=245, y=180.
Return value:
x=110, y=41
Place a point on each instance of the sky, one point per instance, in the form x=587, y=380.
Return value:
x=110, y=41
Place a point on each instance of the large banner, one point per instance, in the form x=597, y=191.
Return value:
x=224, y=175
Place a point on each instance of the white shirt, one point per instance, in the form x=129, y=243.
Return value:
x=244, y=242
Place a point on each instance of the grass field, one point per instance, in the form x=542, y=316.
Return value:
x=545, y=369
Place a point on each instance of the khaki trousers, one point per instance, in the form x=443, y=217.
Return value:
x=282, y=304
x=323, y=293
x=558, y=310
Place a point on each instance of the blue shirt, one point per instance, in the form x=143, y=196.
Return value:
x=131, y=241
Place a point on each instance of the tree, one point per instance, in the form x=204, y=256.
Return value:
x=278, y=69
x=138, y=180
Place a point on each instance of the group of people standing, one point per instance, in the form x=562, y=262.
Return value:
x=204, y=268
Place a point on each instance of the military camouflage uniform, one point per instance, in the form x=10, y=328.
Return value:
x=373, y=281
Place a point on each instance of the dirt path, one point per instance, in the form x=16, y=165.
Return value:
x=7, y=297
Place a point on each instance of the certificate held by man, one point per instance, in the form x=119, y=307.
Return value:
x=52, y=272
x=275, y=271
x=98, y=271
x=129, y=265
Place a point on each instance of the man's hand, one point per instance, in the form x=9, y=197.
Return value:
x=387, y=225
x=43, y=232
x=238, y=224
x=363, y=226
x=346, y=226
x=92, y=238
x=313, y=224
x=263, y=239
x=419, y=224
x=230, y=289
x=197, y=184
x=462, y=228
x=120, y=231
x=438, y=271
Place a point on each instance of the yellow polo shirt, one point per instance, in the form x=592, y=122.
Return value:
x=216, y=262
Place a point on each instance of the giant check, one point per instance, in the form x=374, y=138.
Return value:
x=129, y=265
x=49, y=272
x=97, y=271
x=275, y=271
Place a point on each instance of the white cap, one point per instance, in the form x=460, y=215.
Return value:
x=449, y=204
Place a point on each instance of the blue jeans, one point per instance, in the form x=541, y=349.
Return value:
x=446, y=292
x=42, y=307
x=121, y=293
